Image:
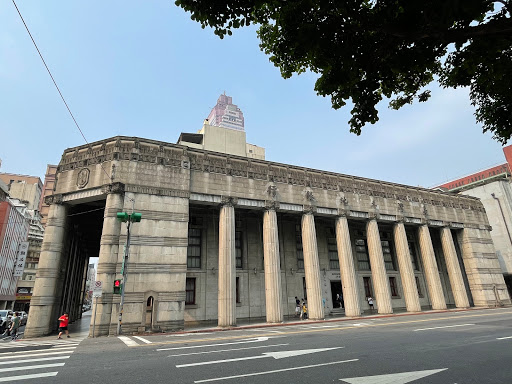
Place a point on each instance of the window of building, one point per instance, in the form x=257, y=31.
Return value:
x=190, y=291
x=363, y=258
x=414, y=256
x=387, y=251
x=300, y=252
x=393, y=286
x=194, y=248
x=238, y=300
x=418, y=286
x=367, y=280
x=332, y=249
x=238, y=249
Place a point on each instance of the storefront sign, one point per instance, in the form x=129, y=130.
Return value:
x=20, y=260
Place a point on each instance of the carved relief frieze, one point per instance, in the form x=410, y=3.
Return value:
x=83, y=177
x=113, y=188
x=53, y=199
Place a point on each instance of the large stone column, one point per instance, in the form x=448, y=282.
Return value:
x=347, y=270
x=379, y=275
x=108, y=258
x=44, y=298
x=428, y=257
x=412, y=300
x=454, y=271
x=273, y=303
x=312, y=267
x=227, y=267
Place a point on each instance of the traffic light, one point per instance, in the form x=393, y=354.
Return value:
x=118, y=285
x=123, y=216
x=135, y=217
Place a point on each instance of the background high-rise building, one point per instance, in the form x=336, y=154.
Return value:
x=25, y=188
x=226, y=114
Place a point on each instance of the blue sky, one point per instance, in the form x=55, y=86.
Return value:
x=143, y=68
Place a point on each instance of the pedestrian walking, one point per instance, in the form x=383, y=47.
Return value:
x=370, y=302
x=63, y=325
x=297, y=307
x=304, y=311
x=15, y=324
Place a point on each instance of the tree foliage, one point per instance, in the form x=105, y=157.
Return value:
x=365, y=50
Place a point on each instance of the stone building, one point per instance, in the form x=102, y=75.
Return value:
x=227, y=237
x=493, y=187
x=49, y=183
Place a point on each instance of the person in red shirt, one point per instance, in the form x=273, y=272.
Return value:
x=63, y=325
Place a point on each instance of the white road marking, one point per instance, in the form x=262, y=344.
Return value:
x=129, y=342
x=255, y=340
x=32, y=360
x=446, y=326
x=41, y=353
x=24, y=377
x=31, y=367
x=503, y=338
x=228, y=350
x=275, y=355
x=275, y=371
x=393, y=378
x=142, y=339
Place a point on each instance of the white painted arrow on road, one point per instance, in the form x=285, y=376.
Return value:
x=252, y=340
x=393, y=378
x=275, y=355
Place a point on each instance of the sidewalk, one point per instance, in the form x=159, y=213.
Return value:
x=295, y=321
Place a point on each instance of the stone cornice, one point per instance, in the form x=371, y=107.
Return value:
x=161, y=153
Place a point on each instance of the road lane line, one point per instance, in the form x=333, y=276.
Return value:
x=275, y=371
x=142, y=339
x=31, y=376
x=259, y=339
x=31, y=367
x=498, y=312
x=276, y=355
x=503, y=338
x=41, y=353
x=446, y=326
x=129, y=342
x=227, y=350
x=32, y=360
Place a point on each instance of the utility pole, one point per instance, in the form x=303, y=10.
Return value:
x=120, y=287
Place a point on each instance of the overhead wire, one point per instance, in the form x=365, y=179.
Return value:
x=54, y=82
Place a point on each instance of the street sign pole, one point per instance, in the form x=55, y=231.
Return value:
x=94, y=320
x=97, y=290
x=123, y=286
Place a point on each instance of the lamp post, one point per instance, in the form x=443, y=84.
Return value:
x=128, y=219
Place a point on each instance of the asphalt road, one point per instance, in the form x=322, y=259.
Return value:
x=458, y=347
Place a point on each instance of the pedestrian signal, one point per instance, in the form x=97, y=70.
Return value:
x=117, y=287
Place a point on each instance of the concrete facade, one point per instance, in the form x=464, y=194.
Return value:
x=25, y=188
x=226, y=237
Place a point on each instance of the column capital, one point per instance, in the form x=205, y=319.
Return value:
x=309, y=209
x=271, y=205
x=343, y=212
x=229, y=201
x=54, y=199
x=113, y=188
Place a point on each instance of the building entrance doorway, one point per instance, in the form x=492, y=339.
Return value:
x=335, y=291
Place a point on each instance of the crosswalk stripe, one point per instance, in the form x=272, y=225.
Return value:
x=142, y=339
x=31, y=367
x=31, y=376
x=129, y=342
x=42, y=353
x=32, y=360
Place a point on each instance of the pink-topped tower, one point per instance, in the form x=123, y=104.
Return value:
x=226, y=114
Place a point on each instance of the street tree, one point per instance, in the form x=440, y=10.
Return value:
x=367, y=50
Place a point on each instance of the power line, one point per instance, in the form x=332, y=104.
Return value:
x=54, y=82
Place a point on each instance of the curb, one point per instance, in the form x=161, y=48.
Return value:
x=275, y=325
